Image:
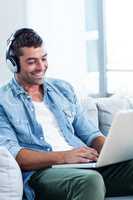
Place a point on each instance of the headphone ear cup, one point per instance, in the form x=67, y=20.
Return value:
x=12, y=65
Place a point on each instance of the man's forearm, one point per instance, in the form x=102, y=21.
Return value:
x=31, y=160
x=97, y=143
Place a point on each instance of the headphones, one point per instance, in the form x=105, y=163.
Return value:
x=11, y=59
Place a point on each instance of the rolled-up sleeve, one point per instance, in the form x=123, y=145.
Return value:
x=84, y=128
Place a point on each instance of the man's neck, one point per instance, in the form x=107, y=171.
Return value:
x=35, y=91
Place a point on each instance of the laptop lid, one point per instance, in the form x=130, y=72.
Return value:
x=118, y=145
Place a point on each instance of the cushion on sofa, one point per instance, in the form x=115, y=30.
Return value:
x=107, y=108
x=11, y=186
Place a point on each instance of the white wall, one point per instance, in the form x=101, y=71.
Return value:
x=12, y=17
x=61, y=24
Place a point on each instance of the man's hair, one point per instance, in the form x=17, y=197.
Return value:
x=24, y=37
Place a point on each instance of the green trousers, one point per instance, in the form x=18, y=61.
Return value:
x=83, y=184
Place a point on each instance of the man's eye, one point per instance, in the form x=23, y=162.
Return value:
x=31, y=62
x=44, y=59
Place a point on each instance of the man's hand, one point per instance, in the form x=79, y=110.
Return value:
x=80, y=155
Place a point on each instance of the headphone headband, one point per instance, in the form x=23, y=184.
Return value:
x=11, y=59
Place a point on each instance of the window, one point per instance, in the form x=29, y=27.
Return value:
x=95, y=44
x=91, y=37
x=119, y=37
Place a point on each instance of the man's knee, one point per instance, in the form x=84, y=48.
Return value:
x=95, y=180
x=90, y=181
x=90, y=184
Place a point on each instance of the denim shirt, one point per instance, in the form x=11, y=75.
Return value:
x=20, y=129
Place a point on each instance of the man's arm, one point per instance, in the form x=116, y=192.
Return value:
x=32, y=160
x=98, y=142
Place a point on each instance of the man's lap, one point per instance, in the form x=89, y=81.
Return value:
x=60, y=183
x=118, y=179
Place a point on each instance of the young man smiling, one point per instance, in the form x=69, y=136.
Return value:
x=42, y=124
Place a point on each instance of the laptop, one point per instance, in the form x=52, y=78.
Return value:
x=118, y=145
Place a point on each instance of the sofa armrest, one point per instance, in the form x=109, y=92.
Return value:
x=11, y=185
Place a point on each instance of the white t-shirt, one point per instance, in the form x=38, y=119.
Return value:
x=51, y=129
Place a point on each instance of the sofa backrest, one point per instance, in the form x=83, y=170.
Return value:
x=101, y=111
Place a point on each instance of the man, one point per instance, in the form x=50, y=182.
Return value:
x=42, y=124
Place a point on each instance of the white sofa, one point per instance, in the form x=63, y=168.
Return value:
x=11, y=185
x=101, y=111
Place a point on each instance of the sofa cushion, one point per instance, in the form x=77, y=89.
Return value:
x=11, y=186
x=107, y=108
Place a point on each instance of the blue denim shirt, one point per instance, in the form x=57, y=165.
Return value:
x=20, y=129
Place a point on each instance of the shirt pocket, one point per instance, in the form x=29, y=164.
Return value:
x=69, y=114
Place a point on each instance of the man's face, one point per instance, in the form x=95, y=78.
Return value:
x=33, y=65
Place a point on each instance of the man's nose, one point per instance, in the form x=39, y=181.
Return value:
x=40, y=64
